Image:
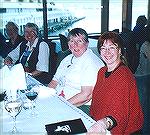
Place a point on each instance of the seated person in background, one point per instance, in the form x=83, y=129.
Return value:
x=33, y=54
x=2, y=94
x=3, y=46
x=139, y=31
x=131, y=52
x=139, y=34
x=77, y=73
x=144, y=62
x=115, y=101
x=142, y=75
x=15, y=39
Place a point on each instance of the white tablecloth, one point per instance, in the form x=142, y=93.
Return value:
x=50, y=109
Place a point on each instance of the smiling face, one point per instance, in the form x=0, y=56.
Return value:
x=30, y=34
x=110, y=53
x=78, y=45
x=11, y=30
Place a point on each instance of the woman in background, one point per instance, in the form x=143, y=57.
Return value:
x=33, y=54
x=14, y=39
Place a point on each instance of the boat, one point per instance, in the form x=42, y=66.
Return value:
x=24, y=12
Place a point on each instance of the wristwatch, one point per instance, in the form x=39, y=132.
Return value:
x=109, y=123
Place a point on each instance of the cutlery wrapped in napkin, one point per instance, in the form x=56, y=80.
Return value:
x=13, y=79
x=75, y=126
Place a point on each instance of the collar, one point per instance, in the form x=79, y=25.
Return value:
x=84, y=54
x=34, y=44
x=107, y=74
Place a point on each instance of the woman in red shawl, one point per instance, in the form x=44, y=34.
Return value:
x=115, y=101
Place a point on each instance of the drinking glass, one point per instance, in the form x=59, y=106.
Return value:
x=25, y=101
x=13, y=107
x=32, y=93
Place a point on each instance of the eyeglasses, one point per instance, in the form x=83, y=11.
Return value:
x=104, y=49
x=76, y=42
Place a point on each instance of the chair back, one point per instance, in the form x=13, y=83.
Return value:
x=63, y=42
x=52, y=58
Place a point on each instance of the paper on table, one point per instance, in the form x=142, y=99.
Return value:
x=68, y=127
x=13, y=79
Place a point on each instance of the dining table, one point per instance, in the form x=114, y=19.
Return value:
x=49, y=107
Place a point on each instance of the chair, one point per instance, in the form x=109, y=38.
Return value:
x=63, y=42
x=61, y=55
x=47, y=77
x=52, y=58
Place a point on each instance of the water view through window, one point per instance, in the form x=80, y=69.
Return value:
x=64, y=15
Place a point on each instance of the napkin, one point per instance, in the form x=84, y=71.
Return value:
x=4, y=76
x=13, y=79
x=75, y=126
x=45, y=92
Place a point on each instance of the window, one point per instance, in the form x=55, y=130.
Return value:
x=115, y=14
x=62, y=15
x=139, y=8
x=76, y=13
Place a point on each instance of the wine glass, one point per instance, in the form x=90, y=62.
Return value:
x=13, y=107
x=32, y=93
x=25, y=101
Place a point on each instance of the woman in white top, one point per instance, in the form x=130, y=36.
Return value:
x=33, y=54
x=76, y=75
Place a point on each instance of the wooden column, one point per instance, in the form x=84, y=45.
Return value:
x=104, y=15
x=126, y=14
x=148, y=17
x=45, y=26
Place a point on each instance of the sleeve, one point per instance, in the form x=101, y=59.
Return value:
x=60, y=70
x=43, y=57
x=14, y=54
